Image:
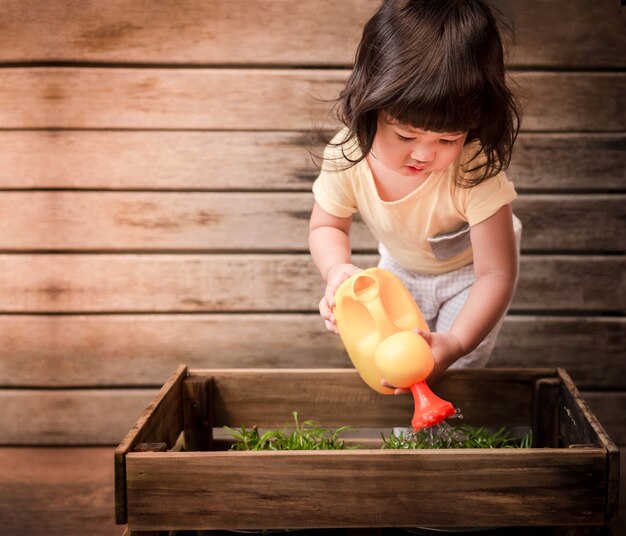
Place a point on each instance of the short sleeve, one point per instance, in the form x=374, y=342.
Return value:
x=485, y=199
x=333, y=189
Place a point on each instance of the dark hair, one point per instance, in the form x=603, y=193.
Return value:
x=436, y=65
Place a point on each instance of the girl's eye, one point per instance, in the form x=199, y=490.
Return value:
x=404, y=138
x=451, y=142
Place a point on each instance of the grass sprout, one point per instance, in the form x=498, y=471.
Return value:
x=307, y=435
x=457, y=437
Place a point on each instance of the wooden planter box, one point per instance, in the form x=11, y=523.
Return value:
x=570, y=479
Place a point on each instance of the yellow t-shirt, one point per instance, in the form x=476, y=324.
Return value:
x=427, y=230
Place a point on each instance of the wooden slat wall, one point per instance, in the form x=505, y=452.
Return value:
x=226, y=32
x=155, y=189
x=57, y=491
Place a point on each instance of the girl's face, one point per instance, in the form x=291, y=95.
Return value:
x=414, y=152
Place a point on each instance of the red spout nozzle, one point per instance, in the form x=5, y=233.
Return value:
x=429, y=408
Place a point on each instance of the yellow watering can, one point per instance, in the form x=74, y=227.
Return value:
x=377, y=318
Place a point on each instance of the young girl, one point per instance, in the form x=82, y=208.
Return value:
x=429, y=128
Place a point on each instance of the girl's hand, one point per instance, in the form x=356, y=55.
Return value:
x=446, y=349
x=334, y=277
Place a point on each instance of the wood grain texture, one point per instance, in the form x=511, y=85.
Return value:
x=70, y=490
x=167, y=221
x=197, y=400
x=610, y=408
x=162, y=419
x=160, y=422
x=75, y=417
x=344, y=488
x=545, y=412
x=156, y=160
x=104, y=416
x=231, y=99
x=142, y=350
x=203, y=283
x=263, y=161
x=572, y=343
x=568, y=33
x=587, y=424
x=577, y=106
x=266, y=99
x=189, y=32
x=569, y=161
x=261, y=397
x=577, y=424
x=57, y=491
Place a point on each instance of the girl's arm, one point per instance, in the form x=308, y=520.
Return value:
x=329, y=244
x=495, y=267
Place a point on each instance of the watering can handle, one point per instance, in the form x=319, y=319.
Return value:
x=366, y=291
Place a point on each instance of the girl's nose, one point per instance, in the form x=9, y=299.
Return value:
x=423, y=154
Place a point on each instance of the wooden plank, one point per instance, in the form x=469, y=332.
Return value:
x=266, y=397
x=166, y=98
x=167, y=221
x=581, y=414
x=157, y=221
x=546, y=283
x=575, y=426
x=198, y=413
x=156, y=160
x=618, y=527
x=69, y=417
x=565, y=33
x=545, y=412
x=561, y=33
x=70, y=490
x=610, y=408
x=568, y=161
x=591, y=349
x=266, y=161
x=141, y=350
x=76, y=416
x=563, y=230
x=161, y=421
x=266, y=99
x=190, y=32
x=565, y=112
x=345, y=488
x=203, y=283
x=57, y=491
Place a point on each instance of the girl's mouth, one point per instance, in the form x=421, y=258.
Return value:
x=415, y=169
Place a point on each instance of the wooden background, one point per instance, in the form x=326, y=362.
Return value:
x=154, y=196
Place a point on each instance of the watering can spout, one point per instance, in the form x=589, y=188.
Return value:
x=429, y=408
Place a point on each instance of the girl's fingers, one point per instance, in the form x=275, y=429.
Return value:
x=385, y=383
x=396, y=390
x=425, y=334
x=328, y=316
x=330, y=326
x=329, y=298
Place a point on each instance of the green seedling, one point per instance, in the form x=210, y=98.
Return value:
x=457, y=437
x=306, y=436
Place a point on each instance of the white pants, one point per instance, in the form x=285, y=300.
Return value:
x=441, y=297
